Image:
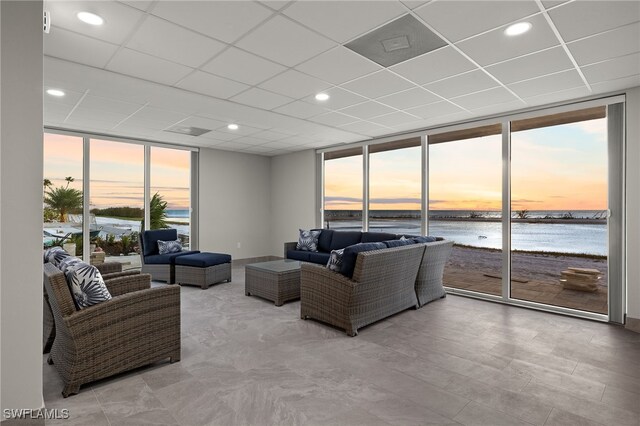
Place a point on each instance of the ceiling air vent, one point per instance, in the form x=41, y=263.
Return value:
x=396, y=42
x=187, y=130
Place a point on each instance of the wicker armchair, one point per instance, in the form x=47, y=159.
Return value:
x=383, y=284
x=108, y=270
x=429, y=281
x=138, y=326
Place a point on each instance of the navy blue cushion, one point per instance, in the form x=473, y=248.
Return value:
x=342, y=239
x=203, y=260
x=298, y=255
x=150, y=239
x=319, y=258
x=399, y=243
x=166, y=259
x=376, y=237
x=425, y=239
x=324, y=241
x=351, y=254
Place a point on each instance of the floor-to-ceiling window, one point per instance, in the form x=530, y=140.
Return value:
x=465, y=205
x=170, y=191
x=62, y=192
x=395, y=187
x=343, y=186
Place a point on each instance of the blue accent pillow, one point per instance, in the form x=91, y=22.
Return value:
x=335, y=260
x=425, y=239
x=55, y=255
x=166, y=247
x=150, y=239
x=308, y=240
x=399, y=243
x=351, y=254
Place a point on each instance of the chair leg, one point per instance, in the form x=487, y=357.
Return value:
x=352, y=333
x=49, y=360
x=175, y=357
x=70, y=389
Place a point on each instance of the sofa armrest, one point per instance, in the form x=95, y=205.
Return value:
x=109, y=267
x=311, y=274
x=289, y=246
x=128, y=284
x=113, y=275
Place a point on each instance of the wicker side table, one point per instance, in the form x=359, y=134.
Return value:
x=278, y=280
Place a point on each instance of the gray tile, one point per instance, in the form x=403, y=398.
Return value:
x=562, y=418
x=476, y=414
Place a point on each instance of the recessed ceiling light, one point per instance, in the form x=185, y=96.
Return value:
x=322, y=97
x=90, y=18
x=55, y=92
x=518, y=28
x=232, y=127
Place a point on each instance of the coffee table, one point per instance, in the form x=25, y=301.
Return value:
x=277, y=280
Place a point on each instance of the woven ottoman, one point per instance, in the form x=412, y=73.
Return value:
x=203, y=269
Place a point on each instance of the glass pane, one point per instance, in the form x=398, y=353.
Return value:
x=465, y=205
x=117, y=200
x=559, y=209
x=63, y=198
x=170, y=191
x=395, y=191
x=343, y=193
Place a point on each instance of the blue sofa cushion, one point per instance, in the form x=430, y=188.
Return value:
x=150, y=239
x=376, y=237
x=203, y=260
x=166, y=259
x=324, y=241
x=351, y=254
x=342, y=239
x=425, y=239
x=319, y=258
x=298, y=255
x=399, y=243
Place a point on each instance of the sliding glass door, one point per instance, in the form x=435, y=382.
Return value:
x=343, y=186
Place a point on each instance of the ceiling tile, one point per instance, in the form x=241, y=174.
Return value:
x=160, y=38
x=343, y=20
x=223, y=20
x=548, y=4
x=434, y=110
x=495, y=46
x=272, y=136
x=242, y=66
x=243, y=130
x=261, y=98
x=547, y=84
x=623, y=66
x=462, y=84
x=250, y=140
x=157, y=118
x=219, y=136
x=366, y=128
x=378, y=84
x=338, y=98
x=285, y=42
x=203, y=123
x=333, y=119
x=212, y=85
x=433, y=66
x=499, y=108
x=414, y=4
x=497, y=95
x=300, y=109
x=367, y=110
x=338, y=65
x=119, y=19
x=618, y=42
x=409, y=98
x=275, y=4
x=232, y=146
x=69, y=99
x=394, y=119
x=295, y=84
x=563, y=95
x=457, y=20
x=78, y=48
x=583, y=18
x=98, y=105
x=531, y=66
x=147, y=67
x=138, y=4
x=617, y=84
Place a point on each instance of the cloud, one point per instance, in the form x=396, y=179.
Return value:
x=396, y=200
x=337, y=200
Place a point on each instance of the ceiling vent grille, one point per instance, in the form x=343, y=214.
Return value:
x=187, y=130
x=396, y=42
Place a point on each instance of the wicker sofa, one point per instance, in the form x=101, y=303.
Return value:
x=138, y=326
x=383, y=284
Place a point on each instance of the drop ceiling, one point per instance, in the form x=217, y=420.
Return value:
x=156, y=65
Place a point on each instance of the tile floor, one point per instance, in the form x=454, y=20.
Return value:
x=455, y=361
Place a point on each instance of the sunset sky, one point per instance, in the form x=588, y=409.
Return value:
x=553, y=168
x=117, y=171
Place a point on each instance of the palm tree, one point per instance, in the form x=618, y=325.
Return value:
x=157, y=213
x=62, y=199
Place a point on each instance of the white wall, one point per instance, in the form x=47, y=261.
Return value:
x=293, y=197
x=21, y=204
x=234, y=191
x=633, y=203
